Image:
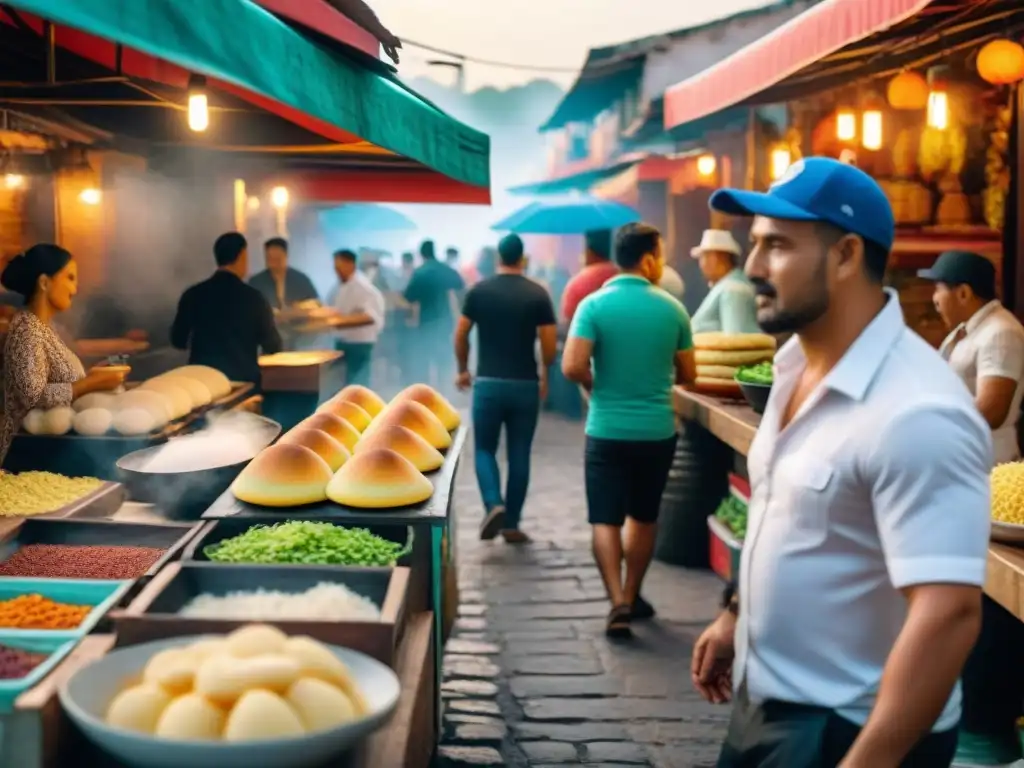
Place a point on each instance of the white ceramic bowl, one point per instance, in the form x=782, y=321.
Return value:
x=87, y=694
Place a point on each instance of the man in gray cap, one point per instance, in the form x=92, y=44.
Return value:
x=985, y=345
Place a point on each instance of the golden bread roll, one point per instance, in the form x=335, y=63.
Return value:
x=416, y=417
x=283, y=475
x=379, y=479
x=334, y=426
x=365, y=398
x=737, y=358
x=733, y=342
x=717, y=371
x=718, y=387
x=435, y=403
x=404, y=442
x=349, y=411
x=320, y=443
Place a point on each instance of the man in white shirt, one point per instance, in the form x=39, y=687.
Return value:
x=860, y=583
x=985, y=346
x=359, y=317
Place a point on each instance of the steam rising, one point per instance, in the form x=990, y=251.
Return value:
x=231, y=438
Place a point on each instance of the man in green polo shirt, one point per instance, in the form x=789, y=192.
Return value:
x=629, y=343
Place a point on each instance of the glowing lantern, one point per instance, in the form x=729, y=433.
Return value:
x=846, y=125
x=706, y=165
x=781, y=159
x=938, y=98
x=1001, y=62
x=871, y=129
x=908, y=90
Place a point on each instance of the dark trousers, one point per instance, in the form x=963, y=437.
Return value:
x=358, y=361
x=778, y=734
x=514, y=405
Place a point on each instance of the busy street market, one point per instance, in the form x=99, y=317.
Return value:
x=387, y=385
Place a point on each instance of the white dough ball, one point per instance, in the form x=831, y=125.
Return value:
x=181, y=401
x=157, y=404
x=134, y=421
x=218, y=384
x=93, y=422
x=95, y=400
x=57, y=421
x=197, y=391
x=34, y=422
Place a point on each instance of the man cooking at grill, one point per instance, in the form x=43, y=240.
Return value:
x=985, y=347
x=729, y=307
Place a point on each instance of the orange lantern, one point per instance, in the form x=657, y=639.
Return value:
x=1001, y=62
x=908, y=90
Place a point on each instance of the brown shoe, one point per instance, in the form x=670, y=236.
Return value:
x=515, y=536
x=617, y=625
x=491, y=525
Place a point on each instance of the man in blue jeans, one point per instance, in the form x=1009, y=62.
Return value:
x=511, y=312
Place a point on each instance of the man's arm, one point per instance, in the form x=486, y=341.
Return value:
x=462, y=330
x=579, y=346
x=1000, y=369
x=270, y=337
x=547, y=331
x=181, y=328
x=930, y=477
x=686, y=359
x=359, y=12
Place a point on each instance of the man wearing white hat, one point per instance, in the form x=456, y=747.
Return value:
x=729, y=307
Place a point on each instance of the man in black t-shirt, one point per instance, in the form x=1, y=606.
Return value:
x=511, y=312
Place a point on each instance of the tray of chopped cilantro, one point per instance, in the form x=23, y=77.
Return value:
x=34, y=494
x=301, y=542
x=733, y=513
x=755, y=382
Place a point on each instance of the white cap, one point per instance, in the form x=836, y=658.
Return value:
x=717, y=240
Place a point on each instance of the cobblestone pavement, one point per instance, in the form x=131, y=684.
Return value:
x=530, y=679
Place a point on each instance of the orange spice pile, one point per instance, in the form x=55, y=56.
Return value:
x=38, y=612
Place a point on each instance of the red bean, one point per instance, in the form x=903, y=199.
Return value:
x=60, y=561
x=16, y=663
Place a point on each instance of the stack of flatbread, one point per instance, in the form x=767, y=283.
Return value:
x=720, y=354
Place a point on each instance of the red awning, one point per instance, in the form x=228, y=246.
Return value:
x=357, y=186
x=327, y=20
x=815, y=33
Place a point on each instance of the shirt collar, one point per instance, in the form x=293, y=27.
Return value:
x=979, y=317
x=629, y=280
x=853, y=374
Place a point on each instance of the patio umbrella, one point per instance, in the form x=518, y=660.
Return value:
x=366, y=217
x=567, y=216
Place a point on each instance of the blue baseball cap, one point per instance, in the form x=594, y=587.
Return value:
x=819, y=189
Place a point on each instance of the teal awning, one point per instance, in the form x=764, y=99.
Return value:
x=239, y=42
x=577, y=182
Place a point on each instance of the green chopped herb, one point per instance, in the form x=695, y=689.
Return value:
x=302, y=542
x=733, y=513
x=755, y=374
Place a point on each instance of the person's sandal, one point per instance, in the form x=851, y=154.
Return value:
x=642, y=610
x=515, y=536
x=618, y=622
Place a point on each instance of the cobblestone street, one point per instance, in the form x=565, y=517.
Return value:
x=530, y=678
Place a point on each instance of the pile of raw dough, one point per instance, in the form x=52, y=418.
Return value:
x=256, y=683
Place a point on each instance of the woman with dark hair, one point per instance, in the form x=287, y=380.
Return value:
x=39, y=371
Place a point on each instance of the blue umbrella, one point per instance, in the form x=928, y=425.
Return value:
x=366, y=217
x=567, y=216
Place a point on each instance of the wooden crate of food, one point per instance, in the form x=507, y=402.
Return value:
x=155, y=613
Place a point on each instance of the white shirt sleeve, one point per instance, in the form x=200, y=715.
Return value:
x=931, y=496
x=1001, y=355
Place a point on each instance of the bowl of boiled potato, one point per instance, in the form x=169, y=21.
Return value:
x=256, y=697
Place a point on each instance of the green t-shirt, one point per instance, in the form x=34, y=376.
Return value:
x=636, y=329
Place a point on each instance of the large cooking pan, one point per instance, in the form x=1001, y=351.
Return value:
x=186, y=493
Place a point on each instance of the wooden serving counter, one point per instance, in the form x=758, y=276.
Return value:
x=295, y=383
x=39, y=735
x=735, y=424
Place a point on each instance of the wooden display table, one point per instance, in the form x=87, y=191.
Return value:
x=295, y=383
x=39, y=735
x=735, y=424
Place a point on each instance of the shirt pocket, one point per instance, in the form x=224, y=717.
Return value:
x=809, y=491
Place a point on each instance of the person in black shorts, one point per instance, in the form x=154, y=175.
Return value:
x=629, y=343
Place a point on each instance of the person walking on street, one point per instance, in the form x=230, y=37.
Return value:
x=628, y=344
x=598, y=269
x=433, y=291
x=510, y=312
x=359, y=318
x=860, y=582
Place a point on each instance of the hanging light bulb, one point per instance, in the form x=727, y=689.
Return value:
x=846, y=125
x=279, y=197
x=706, y=165
x=253, y=203
x=871, y=129
x=938, y=99
x=781, y=158
x=198, y=104
x=14, y=181
x=90, y=196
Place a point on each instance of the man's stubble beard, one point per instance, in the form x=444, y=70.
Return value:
x=795, y=319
